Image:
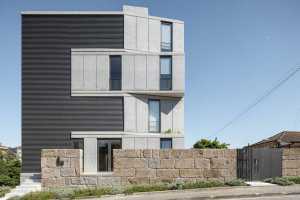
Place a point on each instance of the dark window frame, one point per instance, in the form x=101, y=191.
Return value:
x=165, y=139
x=165, y=77
x=171, y=36
x=159, y=108
x=110, y=74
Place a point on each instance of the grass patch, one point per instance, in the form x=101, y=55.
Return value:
x=71, y=193
x=236, y=182
x=294, y=179
x=4, y=190
x=283, y=181
x=145, y=188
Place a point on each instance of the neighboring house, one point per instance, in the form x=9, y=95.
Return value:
x=285, y=139
x=99, y=81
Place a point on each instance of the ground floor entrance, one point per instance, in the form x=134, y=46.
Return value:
x=105, y=153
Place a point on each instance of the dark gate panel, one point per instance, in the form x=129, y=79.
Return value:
x=258, y=164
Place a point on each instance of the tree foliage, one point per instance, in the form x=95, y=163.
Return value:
x=210, y=144
x=9, y=170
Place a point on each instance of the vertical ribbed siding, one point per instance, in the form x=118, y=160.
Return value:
x=49, y=113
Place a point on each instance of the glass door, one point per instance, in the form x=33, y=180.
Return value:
x=105, y=153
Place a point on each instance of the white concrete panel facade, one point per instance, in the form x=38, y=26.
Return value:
x=178, y=73
x=102, y=73
x=89, y=64
x=77, y=72
x=129, y=32
x=90, y=155
x=152, y=72
x=141, y=114
x=128, y=72
x=178, y=117
x=130, y=114
x=142, y=33
x=178, y=37
x=140, y=72
x=178, y=143
x=154, y=35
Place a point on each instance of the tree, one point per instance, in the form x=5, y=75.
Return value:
x=210, y=144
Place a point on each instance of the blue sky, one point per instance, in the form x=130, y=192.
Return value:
x=235, y=50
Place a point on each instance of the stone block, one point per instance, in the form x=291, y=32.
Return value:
x=50, y=173
x=291, y=164
x=67, y=172
x=124, y=172
x=181, y=154
x=167, y=163
x=197, y=153
x=139, y=180
x=155, y=153
x=154, y=163
x=184, y=163
x=210, y=153
x=145, y=173
x=128, y=153
x=66, y=161
x=202, y=163
x=165, y=154
x=75, y=163
x=212, y=173
x=49, y=153
x=219, y=163
x=72, y=153
x=167, y=173
x=191, y=173
x=88, y=180
x=108, y=181
x=48, y=162
x=147, y=153
x=130, y=163
x=53, y=182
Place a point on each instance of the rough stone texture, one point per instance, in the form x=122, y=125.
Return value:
x=146, y=166
x=291, y=162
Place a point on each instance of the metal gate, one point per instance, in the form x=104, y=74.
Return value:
x=258, y=164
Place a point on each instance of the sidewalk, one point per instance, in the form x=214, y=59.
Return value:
x=211, y=193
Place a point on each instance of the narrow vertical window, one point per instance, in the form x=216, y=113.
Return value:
x=166, y=73
x=154, y=116
x=166, y=143
x=115, y=72
x=166, y=36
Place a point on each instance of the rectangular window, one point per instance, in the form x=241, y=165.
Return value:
x=166, y=36
x=154, y=116
x=166, y=143
x=115, y=72
x=165, y=73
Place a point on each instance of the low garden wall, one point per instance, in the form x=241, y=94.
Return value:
x=62, y=167
x=291, y=162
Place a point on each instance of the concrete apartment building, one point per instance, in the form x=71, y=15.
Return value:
x=98, y=81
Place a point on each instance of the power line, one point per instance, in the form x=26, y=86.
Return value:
x=279, y=83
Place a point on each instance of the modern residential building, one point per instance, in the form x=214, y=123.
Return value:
x=98, y=81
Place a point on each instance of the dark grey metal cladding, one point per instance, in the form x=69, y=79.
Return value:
x=49, y=113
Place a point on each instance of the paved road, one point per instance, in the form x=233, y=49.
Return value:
x=286, y=197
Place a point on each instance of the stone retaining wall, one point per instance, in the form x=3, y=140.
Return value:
x=291, y=162
x=139, y=167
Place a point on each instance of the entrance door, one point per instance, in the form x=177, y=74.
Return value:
x=105, y=153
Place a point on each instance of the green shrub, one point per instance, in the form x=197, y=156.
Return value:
x=202, y=184
x=283, y=181
x=4, y=190
x=210, y=144
x=236, y=182
x=9, y=171
x=39, y=196
x=294, y=179
x=145, y=188
x=98, y=192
